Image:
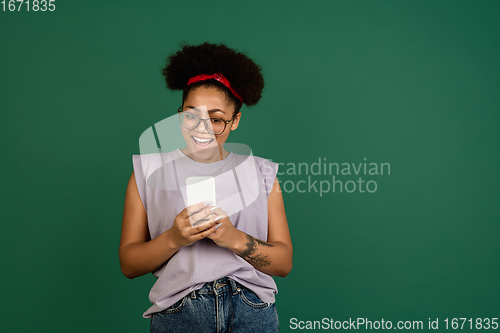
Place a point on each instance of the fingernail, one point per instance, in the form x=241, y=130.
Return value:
x=218, y=225
x=214, y=208
x=219, y=217
x=207, y=203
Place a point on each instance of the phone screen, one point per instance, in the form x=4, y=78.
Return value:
x=200, y=189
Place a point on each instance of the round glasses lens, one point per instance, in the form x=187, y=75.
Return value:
x=217, y=125
x=189, y=120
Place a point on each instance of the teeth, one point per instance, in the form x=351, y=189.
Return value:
x=202, y=140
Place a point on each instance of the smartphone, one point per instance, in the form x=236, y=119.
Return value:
x=200, y=189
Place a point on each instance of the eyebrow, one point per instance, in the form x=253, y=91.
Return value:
x=212, y=110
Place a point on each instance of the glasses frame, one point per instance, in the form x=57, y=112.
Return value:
x=205, y=121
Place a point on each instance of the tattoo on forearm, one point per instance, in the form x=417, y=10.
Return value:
x=262, y=243
x=249, y=254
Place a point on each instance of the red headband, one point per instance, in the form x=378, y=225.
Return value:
x=219, y=77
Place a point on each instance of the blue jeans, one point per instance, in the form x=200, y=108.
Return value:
x=222, y=305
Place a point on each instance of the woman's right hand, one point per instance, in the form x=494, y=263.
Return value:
x=184, y=234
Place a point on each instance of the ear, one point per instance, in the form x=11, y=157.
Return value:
x=236, y=121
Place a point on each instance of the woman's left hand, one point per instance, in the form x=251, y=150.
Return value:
x=225, y=235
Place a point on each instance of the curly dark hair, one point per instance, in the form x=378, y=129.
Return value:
x=207, y=58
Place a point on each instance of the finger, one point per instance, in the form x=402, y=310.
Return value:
x=203, y=214
x=217, y=225
x=185, y=223
x=202, y=221
x=205, y=233
x=212, y=220
x=184, y=213
x=218, y=211
x=193, y=209
x=188, y=223
x=201, y=228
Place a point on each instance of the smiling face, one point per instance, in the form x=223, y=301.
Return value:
x=208, y=102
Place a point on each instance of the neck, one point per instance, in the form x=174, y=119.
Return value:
x=209, y=155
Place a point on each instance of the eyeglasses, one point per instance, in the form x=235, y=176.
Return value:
x=191, y=121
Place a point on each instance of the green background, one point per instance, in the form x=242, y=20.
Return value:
x=411, y=83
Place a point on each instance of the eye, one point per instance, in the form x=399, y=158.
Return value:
x=190, y=116
x=216, y=120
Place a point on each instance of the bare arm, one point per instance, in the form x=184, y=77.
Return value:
x=138, y=253
x=273, y=257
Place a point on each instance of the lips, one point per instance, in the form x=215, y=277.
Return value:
x=202, y=142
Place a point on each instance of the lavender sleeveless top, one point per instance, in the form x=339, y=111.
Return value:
x=243, y=184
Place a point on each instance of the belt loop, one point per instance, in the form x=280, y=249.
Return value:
x=193, y=294
x=233, y=285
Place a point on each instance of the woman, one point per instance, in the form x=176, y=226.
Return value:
x=213, y=263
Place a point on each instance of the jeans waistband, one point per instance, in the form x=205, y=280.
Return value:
x=218, y=286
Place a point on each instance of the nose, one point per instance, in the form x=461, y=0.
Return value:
x=201, y=127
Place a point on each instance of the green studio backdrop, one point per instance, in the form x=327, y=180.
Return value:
x=407, y=87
